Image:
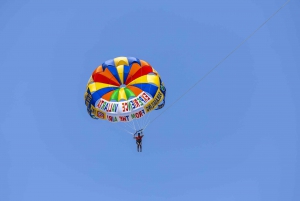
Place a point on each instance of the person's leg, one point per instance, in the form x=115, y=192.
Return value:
x=140, y=146
x=137, y=146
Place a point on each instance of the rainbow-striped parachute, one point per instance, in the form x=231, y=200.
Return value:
x=124, y=89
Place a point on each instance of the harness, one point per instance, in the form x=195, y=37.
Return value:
x=136, y=133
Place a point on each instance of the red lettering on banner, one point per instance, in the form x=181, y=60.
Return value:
x=146, y=97
x=100, y=114
x=124, y=107
x=100, y=103
x=139, y=114
x=122, y=118
x=136, y=103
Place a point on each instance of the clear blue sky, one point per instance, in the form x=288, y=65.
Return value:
x=234, y=137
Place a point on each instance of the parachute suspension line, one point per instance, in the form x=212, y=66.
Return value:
x=127, y=125
x=139, y=126
x=125, y=129
x=143, y=120
x=147, y=121
x=237, y=47
x=132, y=124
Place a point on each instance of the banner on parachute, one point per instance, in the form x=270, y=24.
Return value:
x=120, y=108
x=88, y=98
x=126, y=117
x=123, y=111
x=159, y=96
x=98, y=113
x=164, y=91
x=120, y=117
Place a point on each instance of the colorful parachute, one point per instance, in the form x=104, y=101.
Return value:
x=124, y=89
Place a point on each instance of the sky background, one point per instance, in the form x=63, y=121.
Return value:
x=233, y=137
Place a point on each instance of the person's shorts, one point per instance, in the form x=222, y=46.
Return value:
x=139, y=141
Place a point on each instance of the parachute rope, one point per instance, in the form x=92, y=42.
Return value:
x=237, y=47
x=125, y=130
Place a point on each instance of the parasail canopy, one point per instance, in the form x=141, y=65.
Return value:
x=124, y=89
